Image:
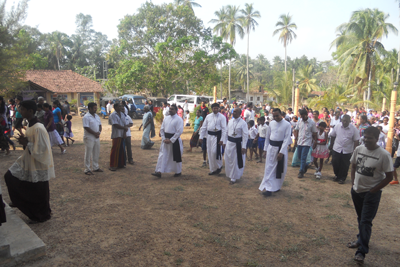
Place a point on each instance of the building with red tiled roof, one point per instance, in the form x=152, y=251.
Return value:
x=62, y=85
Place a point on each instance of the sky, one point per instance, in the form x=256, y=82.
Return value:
x=316, y=21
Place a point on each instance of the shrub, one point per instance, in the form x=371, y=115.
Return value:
x=159, y=116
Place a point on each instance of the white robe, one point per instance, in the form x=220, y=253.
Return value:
x=278, y=131
x=212, y=122
x=166, y=163
x=238, y=126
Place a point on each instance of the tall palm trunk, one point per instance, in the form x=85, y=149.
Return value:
x=248, y=44
x=221, y=80
x=285, y=56
x=369, y=87
x=229, y=81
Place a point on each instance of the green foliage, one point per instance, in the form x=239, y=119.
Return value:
x=159, y=117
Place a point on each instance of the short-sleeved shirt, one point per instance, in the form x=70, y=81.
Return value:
x=128, y=121
x=305, y=131
x=371, y=166
x=116, y=119
x=55, y=111
x=197, y=122
x=204, y=112
x=92, y=122
x=262, y=130
x=17, y=114
x=47, y=117
x=344, y=138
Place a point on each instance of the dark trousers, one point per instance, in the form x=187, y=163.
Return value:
x=302, y=153
x=340, y=164
x=366, y=205
x=128, y=148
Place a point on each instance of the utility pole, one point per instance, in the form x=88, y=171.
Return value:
x=293, y=88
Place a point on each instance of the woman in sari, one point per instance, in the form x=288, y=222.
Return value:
x=148, y=129
x=198, y=122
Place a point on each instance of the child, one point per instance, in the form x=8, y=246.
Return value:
x=262, y=132
x=67, y=130
x=381, y=141
x=187, y=118
x=321, y=152
x=250, y=143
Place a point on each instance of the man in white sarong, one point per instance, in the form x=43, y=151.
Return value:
x=235, y=147
x=214, y=129
x=276, y=148
x=171, y=149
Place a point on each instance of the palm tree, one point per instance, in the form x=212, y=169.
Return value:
x=230, y=28
x=249, y=23
x=307, y=83
x=189, y=3
x=286, y=27
x=58, y=43
x=219, y=29
x=359, y=47
x=242, y=69
x=283, y=88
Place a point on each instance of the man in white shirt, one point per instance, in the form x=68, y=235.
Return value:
x=214, y=130
x=128, y=140
x=277, y=139
x=305, y=135
x=185, y=106
x=165, y=110
x=268, y=107
x=344, y=138
x=290, y=113
x=171, y=149
x=355, y=112
x=109, y=107
x=371, y=170
x=91, y=138
x=187, y=118
x=249, y=113
x=235, y=147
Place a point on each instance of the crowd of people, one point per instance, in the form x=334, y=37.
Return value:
x=226, y=133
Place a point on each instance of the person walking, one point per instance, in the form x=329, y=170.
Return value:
x=235, y=147
x=58, y=117
x=118, y=134
x=148, y=128
x=214, y=130
x=305, y=133
x=91, y=138
x=171, y=149
x=68, y=130
x=371, y=170
x=344, y=138
x=109, y=107
x=55, y=139
x=128, y=139
x=321, y=151
x=198, y=122
x=277, y=140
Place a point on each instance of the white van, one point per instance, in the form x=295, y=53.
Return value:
x=193, y=100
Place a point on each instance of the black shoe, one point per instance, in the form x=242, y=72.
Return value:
x=267, y=193
x=177, y=174
x=204, y=164
x=307, y=166
x=213, y=173
x=157, y=174
x=300, y=175
x=341, y=181
x=12, y=205
x=335, y=179
x=218, y=170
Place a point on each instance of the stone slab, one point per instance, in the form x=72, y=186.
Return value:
x=18, y=243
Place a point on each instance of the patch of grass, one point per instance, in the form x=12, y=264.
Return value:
x=205, y=207
x=252, y=263
x=178, y=188
x=333, y=217
x=180, y=249
x=65, y=200
x=72, y=169
x=167, y=253
x=285, y=183
x=305, y=189
x=293, y=249
x=179, y=261
x=288, y=225
x=343, y=196
x=315, y=259
x=283, y=258
x=318, y=199
x=320, y=241
x=201, y=226
x=299, y=197
x=265, y=229
x=125, y=193
x=198, y=245
x=347, y=205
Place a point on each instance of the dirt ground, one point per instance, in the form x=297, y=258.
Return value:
x=130, y=218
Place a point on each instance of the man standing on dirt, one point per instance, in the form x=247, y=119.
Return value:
x=371, y=170
x=109, y=107
x=171, y=149
x=91, y=138
x=204, y=112
x=118, y=135
x=235, y=147
x=214, y=129
x=165, y=110
x=277, y=140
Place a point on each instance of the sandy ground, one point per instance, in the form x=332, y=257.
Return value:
x=130, y=218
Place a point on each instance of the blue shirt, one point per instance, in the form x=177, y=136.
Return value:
x=55, y=115
x=197, y=122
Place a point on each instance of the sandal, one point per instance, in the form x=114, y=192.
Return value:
x=89, y=173
x=353, y=244
x=98, y=170
x=359, y=258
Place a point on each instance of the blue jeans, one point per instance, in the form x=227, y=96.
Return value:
x=366, y=205
x=302, y=152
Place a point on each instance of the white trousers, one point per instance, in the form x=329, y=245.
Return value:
x=92, y=152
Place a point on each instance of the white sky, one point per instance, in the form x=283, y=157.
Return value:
x=316, y=20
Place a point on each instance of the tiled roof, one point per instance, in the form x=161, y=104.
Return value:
x=62, y=81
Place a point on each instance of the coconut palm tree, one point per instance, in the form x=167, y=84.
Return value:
x=282, y=88
x=242, y=69
x=286, y=30
x=307, y=81
x=249, y=23
x=58, y=45
x=189, y=3
x=231, y=29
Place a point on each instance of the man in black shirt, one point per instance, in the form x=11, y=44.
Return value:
x=204, y=110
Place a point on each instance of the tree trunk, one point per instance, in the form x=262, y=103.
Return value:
x=369, y=87
x=248, y=43
x=229, y=80
x=285, y=56
x=58, y=63
x=187, y=87
x=221, y=81
x=293, y=88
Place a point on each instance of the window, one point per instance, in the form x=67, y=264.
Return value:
x=140, y=101
x=172, y=98
x=251, y=98
x=182, y=98
x=258, y=98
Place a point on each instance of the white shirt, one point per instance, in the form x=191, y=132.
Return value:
x=248, y=115
x=172, y=125
x=305, y=131
x=253, y=132
x=213, y=123
x=126, y=111
x=385, y=128
x=334, y=121
x=166, y=112
x=116, y=119
x=279, y=131
x=185, y=106
x=237, y=128
x=187, y=117
x=345, y=138
x=128, y=121
x=262, y=130
x=108, y=107
x=92, y=122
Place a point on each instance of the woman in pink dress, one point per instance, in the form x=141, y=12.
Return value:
x=321, y=150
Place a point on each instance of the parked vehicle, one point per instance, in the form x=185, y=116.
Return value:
x=103, y=105
x=157, y=103
x=136, y=110
x=82, y=111
x=193, y=100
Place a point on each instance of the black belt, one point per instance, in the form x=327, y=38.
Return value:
x=218, y=134
x=176, y=148
x=238, y=142
x=279, y=167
